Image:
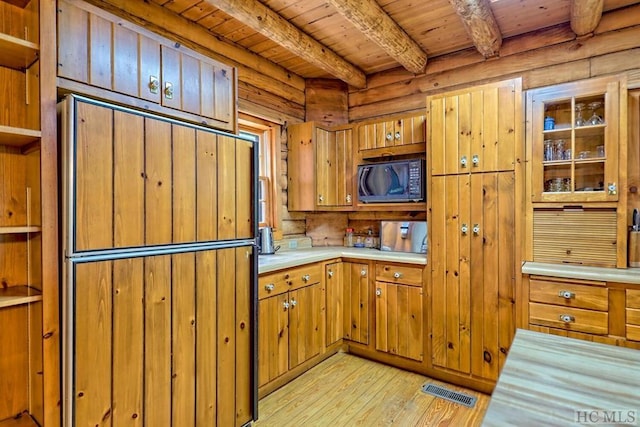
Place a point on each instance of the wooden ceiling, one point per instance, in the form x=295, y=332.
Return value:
x=352, y=39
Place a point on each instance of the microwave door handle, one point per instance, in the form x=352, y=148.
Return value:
x=363, y=178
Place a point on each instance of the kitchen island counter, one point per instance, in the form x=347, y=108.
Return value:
x=294, y=258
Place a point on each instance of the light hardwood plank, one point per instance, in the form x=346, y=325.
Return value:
x=349, y=390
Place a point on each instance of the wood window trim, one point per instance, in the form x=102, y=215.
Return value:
x=272, y=131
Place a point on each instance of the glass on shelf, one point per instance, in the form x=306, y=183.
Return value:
x=579, y=119
x=595, y=119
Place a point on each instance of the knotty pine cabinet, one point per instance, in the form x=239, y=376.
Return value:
x=394, y=136
x=29, y=336
x=320, y=167
x=104, y=51
x=290, y=312
x=474, y=213
x=399, y=316
x=591, y=310
x=575, y=156
x=347, y=286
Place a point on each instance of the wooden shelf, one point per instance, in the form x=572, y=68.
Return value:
x=20, y=229
x=18, y=137
x=18, y=295
x=17, y=53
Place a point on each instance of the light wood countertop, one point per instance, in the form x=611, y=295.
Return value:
x=550, y=380
x=619, y=275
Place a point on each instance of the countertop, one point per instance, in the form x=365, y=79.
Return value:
x=294, y=258
x=549, y=380
x=619, y=275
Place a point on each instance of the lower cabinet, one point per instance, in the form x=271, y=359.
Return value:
x=399, y=316
x=591, y=310
x=290, y=309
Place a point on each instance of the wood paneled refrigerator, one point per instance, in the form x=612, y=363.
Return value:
x=159, y=298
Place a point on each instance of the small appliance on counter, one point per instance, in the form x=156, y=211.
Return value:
x=265, y=241
x=403, y=236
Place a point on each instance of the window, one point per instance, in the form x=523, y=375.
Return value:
x=265, y=134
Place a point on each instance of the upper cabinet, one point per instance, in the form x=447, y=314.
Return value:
x=402, y=135
x=320, y=159
x=475, y=130
x=100, y=50
x=575, y=136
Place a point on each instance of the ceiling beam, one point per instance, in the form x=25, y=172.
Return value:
x=585, y=16
x=481, y=25
x=373, y=21
x=268, y=23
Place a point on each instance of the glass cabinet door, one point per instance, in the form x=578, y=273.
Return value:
x=574, y=137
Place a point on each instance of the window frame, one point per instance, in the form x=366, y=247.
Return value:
x=269, y=137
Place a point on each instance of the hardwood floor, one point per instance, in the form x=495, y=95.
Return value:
x=346, y=390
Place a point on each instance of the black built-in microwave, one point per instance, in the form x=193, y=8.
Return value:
x=394, y=181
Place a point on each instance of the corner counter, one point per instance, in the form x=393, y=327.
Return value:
x=295, y=258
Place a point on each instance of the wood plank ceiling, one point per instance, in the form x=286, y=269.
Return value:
x=352, y=39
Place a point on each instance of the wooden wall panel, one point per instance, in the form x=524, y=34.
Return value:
x=128, y=342
x=157, y=182
x=184, y=190
x=128, y=179
x=94, y=169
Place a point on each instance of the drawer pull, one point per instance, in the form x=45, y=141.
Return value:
x=306, y=278
x=363, y=272
x=397, y=275
x=269, y=287
x=565, y=318
x=566, y=294
x=378, y=292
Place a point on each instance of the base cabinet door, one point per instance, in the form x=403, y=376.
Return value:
x=305, y=324
x=472, y=272
x=399, y=320
x=335, y=300
x=273, y=338
x=356, y=302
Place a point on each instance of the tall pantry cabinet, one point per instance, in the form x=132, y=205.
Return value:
x=474, y=137
x=29, y=373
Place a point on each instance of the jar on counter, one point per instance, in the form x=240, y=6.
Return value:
x=368, y=241
x=359, y=243
x=348, y=237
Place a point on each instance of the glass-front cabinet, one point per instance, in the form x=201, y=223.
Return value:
x=574, y=140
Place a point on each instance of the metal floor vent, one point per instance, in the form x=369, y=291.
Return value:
x=453, y=396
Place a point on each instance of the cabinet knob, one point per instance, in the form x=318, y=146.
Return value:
x=389, y=136
x=306, y=278
x=397, y=275
x=398, y=135
x=348, y=198
x=566, y=318
x=463, y=161
x=566, y=294
x=464, y=229
x=363, y=272
x=475, y=160
x=154, y=84
x=320, y=198
x=476, y=229
x=612, y=189
x=330, y=273
x=168, y=90
x=378, y=292
x=269, y=287
x=293, y=303
x=285, y=305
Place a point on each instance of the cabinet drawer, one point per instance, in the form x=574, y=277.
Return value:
x=633, y=298
x=577, y=319
x=633, y=324
x=569, y=294
x=399, y=274
x=286, y=280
